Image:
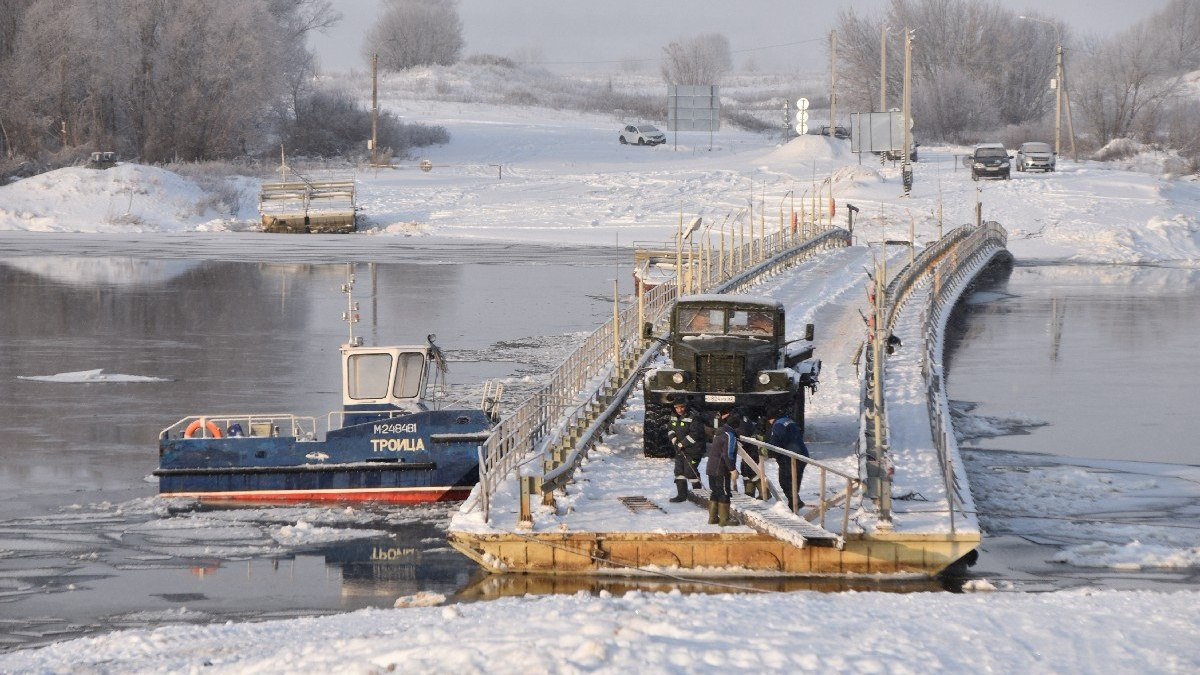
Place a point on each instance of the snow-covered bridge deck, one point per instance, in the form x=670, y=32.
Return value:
x=591, y=529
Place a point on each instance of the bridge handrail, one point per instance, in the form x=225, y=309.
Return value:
x=559, y=419
x=949, y=264
x=823, y=502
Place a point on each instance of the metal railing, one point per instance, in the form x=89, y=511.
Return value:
x=824, y=502
x=948, y=266
x=559, y=422
x=250, y=425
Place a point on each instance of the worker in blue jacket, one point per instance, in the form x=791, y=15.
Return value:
x=787, y=434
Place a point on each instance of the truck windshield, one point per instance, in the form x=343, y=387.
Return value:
x=751, y=322
x=701, y=320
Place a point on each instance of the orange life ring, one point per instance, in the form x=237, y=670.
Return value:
x=213, y=430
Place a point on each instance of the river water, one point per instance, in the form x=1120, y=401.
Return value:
x=1073, y=388
x=85, y=545
x=1072, y=361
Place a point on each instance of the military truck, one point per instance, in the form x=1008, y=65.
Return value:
x=728, y=351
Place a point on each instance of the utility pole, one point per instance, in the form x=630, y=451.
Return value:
x=883, y=69
x=905, y=165
x=375, y=110
x=1067, y=95
x=1060, y=89
x=1058, y=99
x=832, y=82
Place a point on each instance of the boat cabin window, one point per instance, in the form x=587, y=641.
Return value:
x=752, y=322
x=408, y=375
x=368, y=375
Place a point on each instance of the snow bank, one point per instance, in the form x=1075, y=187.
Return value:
x=125, y=198
x=670, y=632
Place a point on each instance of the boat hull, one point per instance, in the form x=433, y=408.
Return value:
x=415, y=458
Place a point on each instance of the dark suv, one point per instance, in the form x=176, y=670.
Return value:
x=989, y=160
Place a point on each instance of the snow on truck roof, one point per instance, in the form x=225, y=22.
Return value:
x=707, y=298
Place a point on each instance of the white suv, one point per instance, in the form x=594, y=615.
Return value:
x=641, y=134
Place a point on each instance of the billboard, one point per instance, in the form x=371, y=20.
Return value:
x=877, y=132
x=693, y=107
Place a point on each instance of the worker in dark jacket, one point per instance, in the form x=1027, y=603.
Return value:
x=787, y=434
x=685, y=430
x=751, y=484
x=722, y=467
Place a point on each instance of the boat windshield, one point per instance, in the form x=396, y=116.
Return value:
x=409, y=370
x=368, y=375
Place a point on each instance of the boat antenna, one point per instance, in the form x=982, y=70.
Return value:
x=350, y=316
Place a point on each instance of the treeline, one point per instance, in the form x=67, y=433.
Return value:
x=981, y=68
x=173, y=80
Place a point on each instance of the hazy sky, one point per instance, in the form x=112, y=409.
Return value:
x=583, y=32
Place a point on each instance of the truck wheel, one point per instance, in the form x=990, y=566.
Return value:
x=654, y=431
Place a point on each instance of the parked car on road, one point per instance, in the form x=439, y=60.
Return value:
x=1035, y=156
x=641, y=134
x=989, y=160
x=838, y=132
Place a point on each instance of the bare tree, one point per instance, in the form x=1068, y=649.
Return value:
x=974, y=64
x=1124, y=81
x=154, y=78
x=416, y=33
x=1176, y=31
x=704, y=59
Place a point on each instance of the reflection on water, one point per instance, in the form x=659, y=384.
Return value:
x=1082, y=361
x=79, y=550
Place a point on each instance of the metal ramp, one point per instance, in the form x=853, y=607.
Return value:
x=786, y=527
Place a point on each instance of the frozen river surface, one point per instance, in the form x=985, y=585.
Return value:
x=88, y=547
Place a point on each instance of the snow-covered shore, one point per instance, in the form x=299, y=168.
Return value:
x=1078, y=631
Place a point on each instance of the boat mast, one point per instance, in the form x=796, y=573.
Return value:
x=350, y=316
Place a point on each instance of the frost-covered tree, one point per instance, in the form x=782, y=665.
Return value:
x=974, y=64
x=703, y=59
x=155, y=79
x=415, y=33
x=1124, y=82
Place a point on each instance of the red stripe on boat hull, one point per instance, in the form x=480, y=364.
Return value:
x=382, y=496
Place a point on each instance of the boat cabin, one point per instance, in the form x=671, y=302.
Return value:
x=385, y=379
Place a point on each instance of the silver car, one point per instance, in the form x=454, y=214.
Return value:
x=1035, y=157
x=641, y=134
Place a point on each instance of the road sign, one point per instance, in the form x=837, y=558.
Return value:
x=426, y=165
x=802, y=128
x=801, y=116
x=802, y=103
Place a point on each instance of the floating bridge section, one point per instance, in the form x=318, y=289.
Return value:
x=306, y=206
x=534, y=454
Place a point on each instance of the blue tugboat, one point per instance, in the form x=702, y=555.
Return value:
x=388, y=444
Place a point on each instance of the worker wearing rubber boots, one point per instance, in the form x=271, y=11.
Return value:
x=787, y=434
x=686, y=433
x=721, y=467
x=751, y=484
